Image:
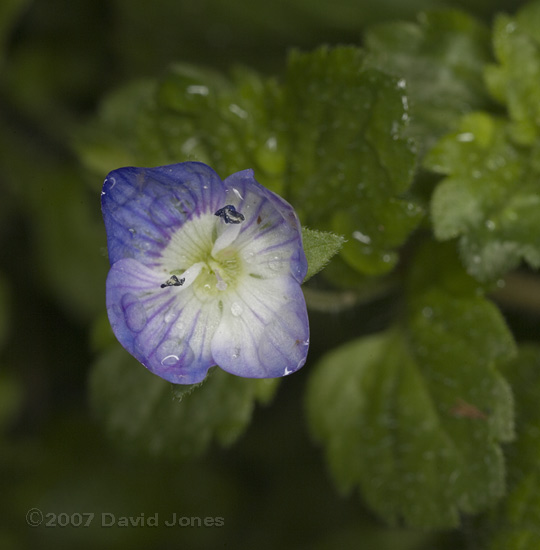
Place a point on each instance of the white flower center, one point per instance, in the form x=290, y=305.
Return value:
x=202, y=253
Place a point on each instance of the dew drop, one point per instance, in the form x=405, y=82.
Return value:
x=465, y=137
x=221, y=285
x=175, y=353
x=237, y=193
x=134, y=312
x=274, y=263
x=238, y=111
x=196, y=89
x=359, y=236
x=170, y=360
x=236, y=309
x=427, y=312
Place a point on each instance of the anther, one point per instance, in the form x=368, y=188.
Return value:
x=230, y=214
x=173, y=281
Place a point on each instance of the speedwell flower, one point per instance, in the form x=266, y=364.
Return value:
x=204, y=272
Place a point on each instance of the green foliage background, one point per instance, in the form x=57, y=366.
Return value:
x=406, y=135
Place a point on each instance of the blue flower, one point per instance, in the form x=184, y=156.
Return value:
x=204, y=272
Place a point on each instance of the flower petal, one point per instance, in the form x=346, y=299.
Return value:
x=264, y=331
x=189, y=289
x=270, y=237
x=143, y=207
x=167, y=329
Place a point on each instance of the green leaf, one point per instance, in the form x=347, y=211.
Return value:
x=489, y=200
x=514, y=523
x=230, y=124
x=415, y=416
x=144, y=413
x=319, y=247
x=191, y=114
x=349, y=164
x=515, y=81
x=441, y=57
x=123, y=133
x=345, y=174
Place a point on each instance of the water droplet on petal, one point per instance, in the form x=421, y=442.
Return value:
x=134, y=312
x=237, y=309
x=175, y=353
x=221, y=285
x=237, y=193
x=274, y=263
x=170, y=360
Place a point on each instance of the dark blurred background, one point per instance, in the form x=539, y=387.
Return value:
x=58, y=58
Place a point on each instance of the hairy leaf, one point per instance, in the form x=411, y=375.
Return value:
x=143, y=412
x=319, y=247
x=514, y=523
x=350, y=164
x=489, y=199
x=441, y=56
x=415, y=416
x=515, y=81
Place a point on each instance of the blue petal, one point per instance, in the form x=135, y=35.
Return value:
x=271, y=228
x=168, y=330
x=160, y=220
x=264, y=331
x=143, y=207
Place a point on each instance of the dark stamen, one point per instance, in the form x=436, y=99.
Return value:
x=230, y=214
x=173, y=281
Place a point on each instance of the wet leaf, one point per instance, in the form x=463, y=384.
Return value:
x=489, y=199
x=441, y=56
x=144, y=413
x=349, y=162
x=414, y=417
x=513, y=525
x=515, y=80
